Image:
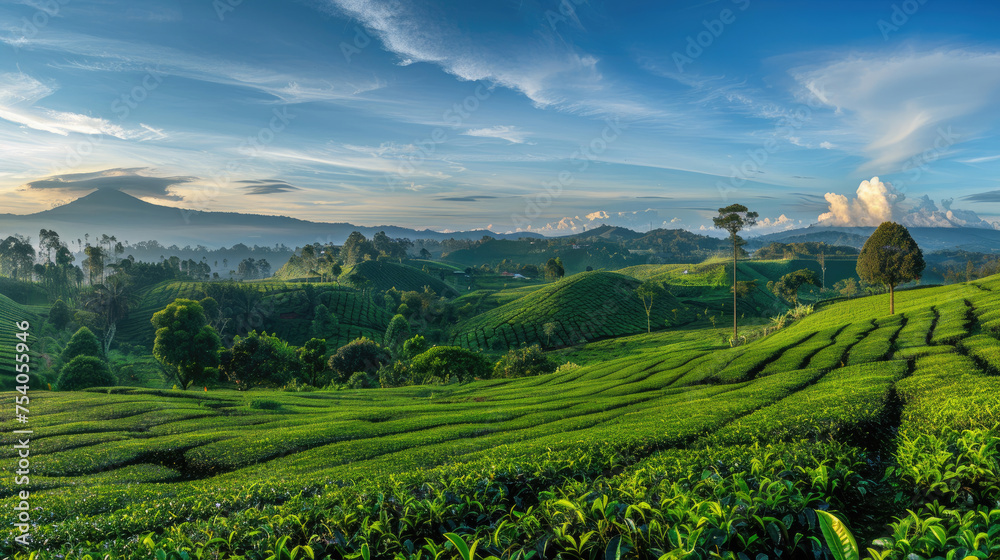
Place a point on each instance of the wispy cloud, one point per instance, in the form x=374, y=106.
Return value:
x=981, y=159
x=509, y=133
x=20, y=92
x=104, y=54
x=894, y=104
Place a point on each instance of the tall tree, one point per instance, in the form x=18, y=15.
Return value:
x=734, y=218
x=17, y=257
x=185, y=343
x=890, y=257
x=112, y=300
x=647, y=291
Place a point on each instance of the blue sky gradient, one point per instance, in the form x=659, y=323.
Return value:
x=547, y=116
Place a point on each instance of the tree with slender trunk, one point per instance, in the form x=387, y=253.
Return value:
x=647, y=291
x=734, y=218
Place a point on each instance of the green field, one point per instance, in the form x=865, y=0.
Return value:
x=586, y=306
x=679, y=446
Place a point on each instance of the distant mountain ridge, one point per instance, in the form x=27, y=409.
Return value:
x=114, y=212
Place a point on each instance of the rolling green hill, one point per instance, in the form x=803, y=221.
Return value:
x=10, y=314
x=384, y=275
x=283, y=308
x=890, y=422
x=584, y=306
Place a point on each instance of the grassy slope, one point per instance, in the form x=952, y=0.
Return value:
x=10, y=314
x=284, y=309
x=115, y=465
x=588, y=305
x=384, y=275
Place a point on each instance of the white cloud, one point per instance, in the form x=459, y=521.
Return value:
x=981, y=159
x=826, y=145
x=878, y=202
x=534, y=61
x=892, y=108
x=18, y=95
x=508, y=133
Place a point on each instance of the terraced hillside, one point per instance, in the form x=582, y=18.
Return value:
x=689, y=450
x=284, y=308
x=713, y=272
x=585, y=306
x=10, y=314
x=384, y=275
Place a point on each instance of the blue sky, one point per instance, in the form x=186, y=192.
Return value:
x=549, y=115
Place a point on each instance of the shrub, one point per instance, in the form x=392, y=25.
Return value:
x=449, y=363
x=567, y=367
x=361, y=355
x=83, y=343
x=362, y=380
x=395, y=374
x=312, y=362
x=259, y=359
x=83, y=372
x=524, y=362
x=414, y=347
x=396, y=333
x=260, y=403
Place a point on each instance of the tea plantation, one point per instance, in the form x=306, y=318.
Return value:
x=874, y=434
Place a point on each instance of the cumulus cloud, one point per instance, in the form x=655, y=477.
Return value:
x=130, y=180
x=771, y=225
x=876, y=202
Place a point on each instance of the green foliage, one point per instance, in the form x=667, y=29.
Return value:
x=185, y=343
x=361, y=355
x=262, y=403
x=83, y=343
x=60, y=315
x=890, y=257
x=449, y=363
x=414, y=346
x=524, y=362
x=312, y=360
x=85, y=371
x=787, y=287
x=324, y=324
x=259, y=360
x=395, y=374
x=363, y=380
x=396, y=333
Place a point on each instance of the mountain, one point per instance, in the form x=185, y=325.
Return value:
x=114, y=212
x=979, y=240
